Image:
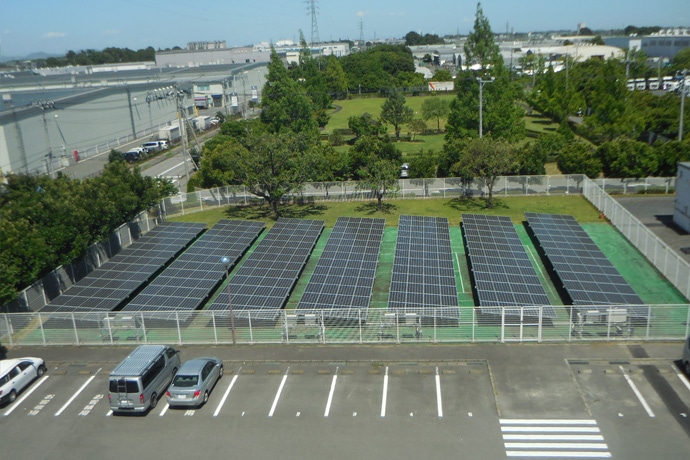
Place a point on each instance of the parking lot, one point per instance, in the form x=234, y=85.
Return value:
x=484, y=401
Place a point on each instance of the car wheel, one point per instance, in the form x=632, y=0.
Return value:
x=174, y=371
x=154, y=401
x=13, y=396
x=687, y=368
x=220, y=373
x=205, y=397
x=41, y=370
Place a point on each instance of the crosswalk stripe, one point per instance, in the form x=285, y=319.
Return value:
x=558, y=438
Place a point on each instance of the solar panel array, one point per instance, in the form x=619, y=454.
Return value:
x=263, y=283
x=189, y=280
x=501, y=268
x=423, y=278
x=584, y=271
x=342, y=282
x=107, y=287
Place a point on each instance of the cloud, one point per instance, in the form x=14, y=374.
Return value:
x=361, y=14
x=51, y=35
x=111, y=32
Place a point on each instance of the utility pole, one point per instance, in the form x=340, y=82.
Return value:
x=182, y=119
x=682, y=107
x=481, y=101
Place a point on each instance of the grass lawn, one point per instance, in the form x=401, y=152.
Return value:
x=514, y=207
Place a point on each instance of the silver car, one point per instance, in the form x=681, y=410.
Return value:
x=17, y=374
x=194, y=381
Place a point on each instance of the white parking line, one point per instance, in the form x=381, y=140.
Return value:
x=637, y=392
x=170, y=169
x=549, y=429
x=225, y=395
x=25, y=395
x=682, y=378
x=553, y=437
x=164, y=410
x=439, y=403
x=330, y=394
x=74, y=396
x=385, y=394
x=280, y=390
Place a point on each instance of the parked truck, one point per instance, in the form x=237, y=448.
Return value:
x=170, y=133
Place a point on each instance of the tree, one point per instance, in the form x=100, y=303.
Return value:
x=395, y=111
x=273, y=165
x=285, y=104
x=480, y=47
x=626, y=158
x=417, y=126
x=336, y=80
x=442, y=75
x=365, y=125
x=669, y=154
x=380, y=177
x=435, y=107
x=369, y=148
x=485, y=159
x=579, y=158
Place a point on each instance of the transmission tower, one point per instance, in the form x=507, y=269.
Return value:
x=312, y=10
x=361, y=33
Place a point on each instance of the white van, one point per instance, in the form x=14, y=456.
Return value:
x=137, y=383
x=686, y=357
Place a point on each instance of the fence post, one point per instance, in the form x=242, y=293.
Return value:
x=503, y=324
x=215, y=331
x=179, y=334
x=143, y=328
x=435, y=338
x=323, y=329
x=687, y=321
x=539, y=327
x=397, y=327
x=43, y=333
x=76, y=332
x=359, y=320
x=649, y=320
x=251, y=333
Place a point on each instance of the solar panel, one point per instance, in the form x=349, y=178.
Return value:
x=189, y=280
x=107, y=287
x=261, y=286
x=343, y=279
x=423, y=278
x=583, y=269
x=501, y=271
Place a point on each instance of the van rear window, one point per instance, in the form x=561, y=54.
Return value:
x=124, y=386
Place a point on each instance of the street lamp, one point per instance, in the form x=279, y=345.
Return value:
x=226, y=263
x=481, y=100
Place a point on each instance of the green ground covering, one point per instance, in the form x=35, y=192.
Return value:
x=649, y=284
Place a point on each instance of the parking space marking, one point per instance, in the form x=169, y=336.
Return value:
x=682, y=377
x=439, y=403
x=78, y=392
x=25, y=395
x=385, y=393
x=164, y=410
x=226, y=394
x=277, y=397
x=330, y=394
x=637, y=393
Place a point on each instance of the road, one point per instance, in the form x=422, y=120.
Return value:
x=488, y=401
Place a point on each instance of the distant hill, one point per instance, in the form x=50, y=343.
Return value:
x=30, y=57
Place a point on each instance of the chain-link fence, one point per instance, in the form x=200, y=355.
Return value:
x=442, y=325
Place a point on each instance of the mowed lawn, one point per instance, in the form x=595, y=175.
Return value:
x=452, y=209
x=342, y=110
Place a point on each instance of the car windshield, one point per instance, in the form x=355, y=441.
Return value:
x=185, y=381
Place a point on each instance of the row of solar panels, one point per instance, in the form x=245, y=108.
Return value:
x=423, y=277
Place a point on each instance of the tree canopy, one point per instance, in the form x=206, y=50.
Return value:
x=47, y=222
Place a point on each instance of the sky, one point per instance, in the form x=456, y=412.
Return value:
x=57, y=26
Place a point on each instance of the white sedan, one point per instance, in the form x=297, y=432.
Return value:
x=17, y=374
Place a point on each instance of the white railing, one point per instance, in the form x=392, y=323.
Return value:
x=464, y=325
